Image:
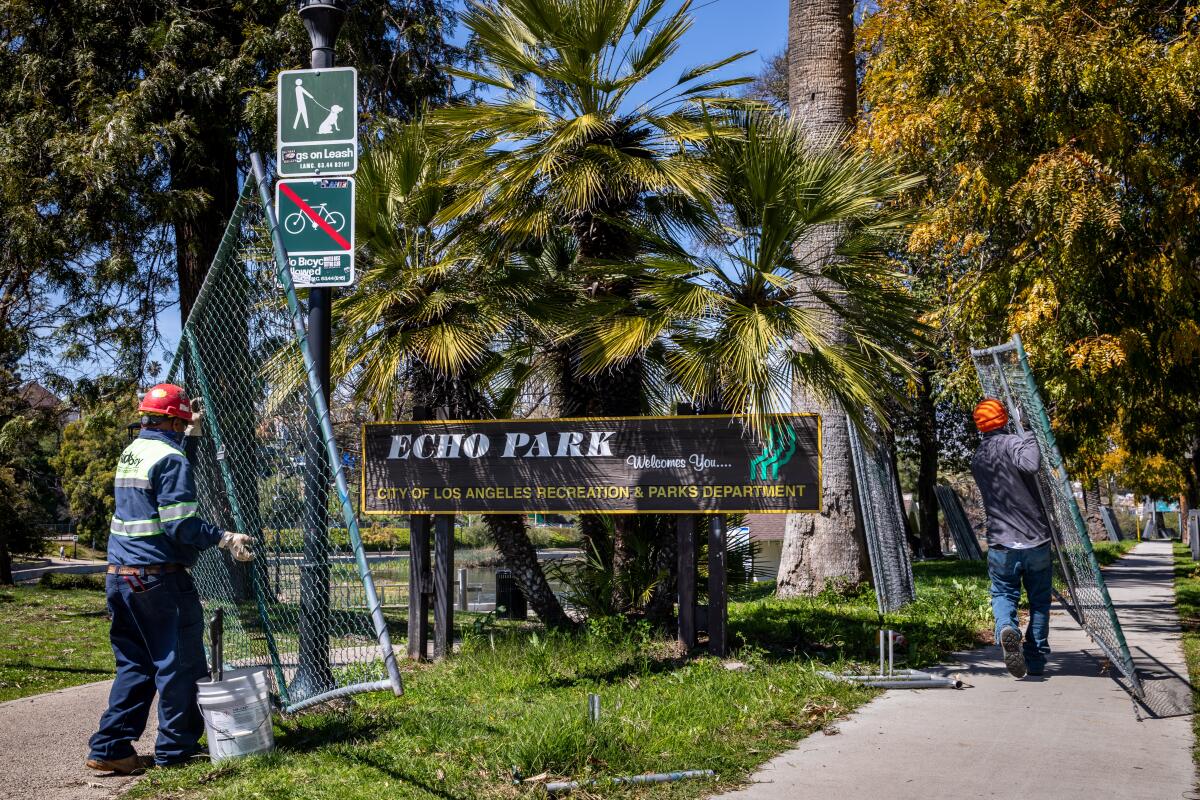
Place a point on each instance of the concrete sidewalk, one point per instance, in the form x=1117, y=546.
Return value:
x=44, y=742
x=1074, y=735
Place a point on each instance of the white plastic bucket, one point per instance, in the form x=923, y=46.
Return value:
x=237, y=714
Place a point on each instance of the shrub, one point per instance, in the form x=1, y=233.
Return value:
x=59, y=580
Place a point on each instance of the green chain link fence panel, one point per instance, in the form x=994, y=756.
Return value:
x=1004, y=374
x=1111, y=526
x=965, y=540
x=266, y=464
x=882, y=510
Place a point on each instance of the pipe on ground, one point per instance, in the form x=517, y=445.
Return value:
x=563, y=787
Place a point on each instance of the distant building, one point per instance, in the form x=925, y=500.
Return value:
x=766, y=533
x=39, y=398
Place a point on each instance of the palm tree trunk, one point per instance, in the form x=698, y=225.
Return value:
x=512, y=540
x=660, y=610
x=829, y=546
x=821, y=79
x=617, y=392
x=459, y=397
x=1091, y=503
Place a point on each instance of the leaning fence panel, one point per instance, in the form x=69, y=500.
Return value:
x=266, y=465
x=1004, y=374
x=1193, y=533
x=883, y=520
x=1111, y=526
x=966, y=543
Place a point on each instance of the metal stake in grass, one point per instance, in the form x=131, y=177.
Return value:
x=593, y=708
x=563, y=787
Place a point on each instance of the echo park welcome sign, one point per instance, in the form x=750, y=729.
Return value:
x=691, y=464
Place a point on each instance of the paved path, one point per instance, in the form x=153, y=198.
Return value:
x=44, y=742
x=1071, y=736
x=28, y=573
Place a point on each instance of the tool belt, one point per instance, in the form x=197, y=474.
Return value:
x=149, y=569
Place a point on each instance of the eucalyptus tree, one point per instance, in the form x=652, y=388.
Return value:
x=126, y=126
x=571, y=134
x=422, y=327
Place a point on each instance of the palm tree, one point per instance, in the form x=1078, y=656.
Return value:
x=570, y=135
x=729, y=309
x=421, y=325
x=824, y=98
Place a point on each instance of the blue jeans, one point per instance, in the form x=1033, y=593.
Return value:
x=157, y=638
x=1034, y=567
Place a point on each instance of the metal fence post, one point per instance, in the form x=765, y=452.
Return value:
x=443, y=596
x=685, y=533
x=718, y=592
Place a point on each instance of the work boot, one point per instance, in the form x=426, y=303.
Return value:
x=130, y=765
x=1014, y=658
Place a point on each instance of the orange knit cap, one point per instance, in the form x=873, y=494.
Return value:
x=990, y=415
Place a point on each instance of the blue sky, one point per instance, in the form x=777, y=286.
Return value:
x=721, y=28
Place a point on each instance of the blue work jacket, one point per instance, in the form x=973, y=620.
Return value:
x=155, y=521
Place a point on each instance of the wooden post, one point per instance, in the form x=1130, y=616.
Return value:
x=443, y=585
x=685, y=540
x=418, y=587
x=718, y=595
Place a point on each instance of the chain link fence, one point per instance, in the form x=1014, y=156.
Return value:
x=1004, y=374
x=1111, y=525
x=266, y=464
x=1193, y=534
x=966, y=543
x=882, y=513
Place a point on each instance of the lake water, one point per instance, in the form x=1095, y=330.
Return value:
x=390, y=571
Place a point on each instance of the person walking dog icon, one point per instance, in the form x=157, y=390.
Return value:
x=302, y=96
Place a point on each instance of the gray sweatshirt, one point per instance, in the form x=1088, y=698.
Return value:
x=1005, y=468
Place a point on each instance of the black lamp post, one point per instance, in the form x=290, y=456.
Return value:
x=323, y=20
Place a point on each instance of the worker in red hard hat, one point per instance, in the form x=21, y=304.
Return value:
x=156, y=634
x=1018, y=535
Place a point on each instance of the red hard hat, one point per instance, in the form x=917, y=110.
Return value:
x=167, y=399
x=990, y=415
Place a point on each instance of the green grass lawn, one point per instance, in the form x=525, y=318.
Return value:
x=52, y=639
x=1108, y=552
x=518, y=699
x=1187, y=602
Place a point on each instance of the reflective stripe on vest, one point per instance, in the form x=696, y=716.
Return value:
x=133, y=472
x=137, y=527
x=176, y=512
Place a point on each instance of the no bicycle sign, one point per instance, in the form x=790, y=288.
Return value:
x=316, y=221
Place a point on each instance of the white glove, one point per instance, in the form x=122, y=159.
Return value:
x=196, y=426
x=238, y=545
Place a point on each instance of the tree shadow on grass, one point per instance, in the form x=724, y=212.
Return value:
x=368, y=758
x=828, y=635
x=616, y=673
x=949, y=569
x=312, y=731
x=103, y=672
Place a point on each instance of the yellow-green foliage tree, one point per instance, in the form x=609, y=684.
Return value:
x=1061, y=141
x=86, y=462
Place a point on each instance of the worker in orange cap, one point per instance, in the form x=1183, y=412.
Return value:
x=155, y=535
x=1018, y=535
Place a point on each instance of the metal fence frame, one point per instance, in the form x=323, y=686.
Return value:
x=1103, y=627
x=1111, y=525
x=882, y=514
x=257, y=189
x=965, y=540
